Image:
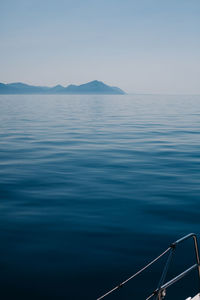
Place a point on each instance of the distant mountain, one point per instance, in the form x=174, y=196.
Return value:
x=93, y=87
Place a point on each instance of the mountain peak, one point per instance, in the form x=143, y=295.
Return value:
x=96, y=81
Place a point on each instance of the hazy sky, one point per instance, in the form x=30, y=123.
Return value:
x=149, y=46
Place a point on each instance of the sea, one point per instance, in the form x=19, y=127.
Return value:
x=92, y=188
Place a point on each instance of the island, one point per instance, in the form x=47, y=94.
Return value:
x=94, y=87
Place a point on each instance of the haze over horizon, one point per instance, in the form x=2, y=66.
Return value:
x=140, y=46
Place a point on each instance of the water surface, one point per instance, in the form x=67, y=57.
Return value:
x=91, y=189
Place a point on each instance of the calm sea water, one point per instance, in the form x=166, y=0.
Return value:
x=91, y=189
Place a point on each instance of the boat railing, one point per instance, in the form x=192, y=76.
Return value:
x=160, y=291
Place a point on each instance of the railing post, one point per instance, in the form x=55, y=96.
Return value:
x=164, y=274
x=197, y=255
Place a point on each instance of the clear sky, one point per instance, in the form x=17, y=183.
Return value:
x=142, y=46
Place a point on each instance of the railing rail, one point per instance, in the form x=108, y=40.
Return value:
x=160, y=292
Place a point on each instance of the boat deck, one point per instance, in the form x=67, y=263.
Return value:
x=197, y=297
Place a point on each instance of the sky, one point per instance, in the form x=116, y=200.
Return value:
x=141, y=46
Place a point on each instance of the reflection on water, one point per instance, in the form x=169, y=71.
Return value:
x=92, y=188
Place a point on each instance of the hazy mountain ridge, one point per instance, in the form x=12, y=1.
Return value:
x=93, y=87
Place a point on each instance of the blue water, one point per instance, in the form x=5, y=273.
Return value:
x=91, y=189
